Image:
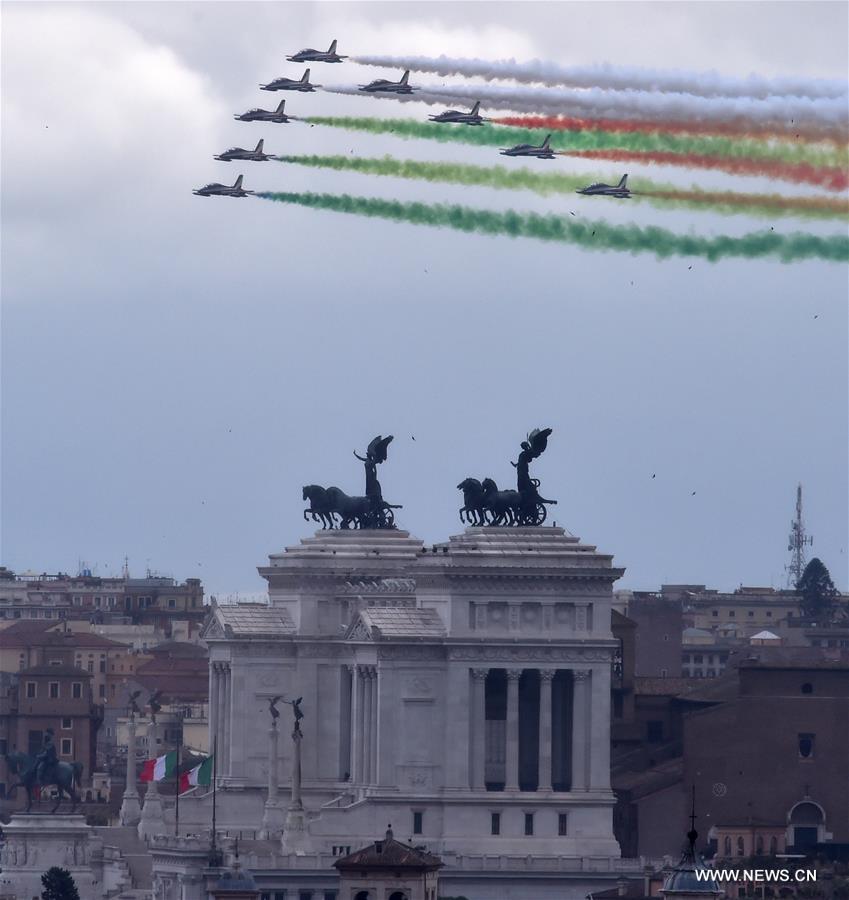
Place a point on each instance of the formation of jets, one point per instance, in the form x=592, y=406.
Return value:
x=222, y=190
x=264, y=115
x=331, y=56
x=240, y=153
x=290, y=84
x=608, y=190
x=461, y=118
x=544, y=151
x=383, y=86
x=379, y=86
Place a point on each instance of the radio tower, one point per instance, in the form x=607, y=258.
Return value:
x=796, y=544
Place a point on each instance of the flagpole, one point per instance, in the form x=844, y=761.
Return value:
x=177, y=801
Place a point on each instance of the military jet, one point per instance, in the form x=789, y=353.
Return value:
x=239, y=153
x=290, y=84
x=222, y=190
x=607, y=190
x=541, y=152
x=331, y=56
x=264, y=115
x=389, y=87
x=462, y=118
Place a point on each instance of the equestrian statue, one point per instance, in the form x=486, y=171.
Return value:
x=45, y=770
x=336, y=509
x=485, y=504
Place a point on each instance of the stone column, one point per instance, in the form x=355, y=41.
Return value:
x=375, y=694
x=225, y=713
x=130, y=809
x=357, y=726
x=152, y=820
x=213, y=703
x=512, y=756
x=546, y=676
x=219, y=720
x=345, y=707
x=598, y=720
x=580, y=728
x=478, y=723
x=367, y=722
x=272, y=815
x=295, y=830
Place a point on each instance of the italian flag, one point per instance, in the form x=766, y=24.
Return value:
x=199, y=775
x=159, y=768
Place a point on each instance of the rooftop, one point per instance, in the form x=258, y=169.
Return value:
x=389, y=853
x=255, y=620
x=392, y=622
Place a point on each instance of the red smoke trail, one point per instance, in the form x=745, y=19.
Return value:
x=829, y=177
x=628, y=126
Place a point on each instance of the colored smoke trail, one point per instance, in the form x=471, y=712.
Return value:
x=502, y=136
x=702, y=84
x=830, y=178
x=547, y=183
x=625, y=126
x=597, y=235
x=790, y=114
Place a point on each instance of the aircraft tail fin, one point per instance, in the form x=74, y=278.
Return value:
x=622, y=181
x=306, y=76
x=475, y=108
x=545, y=142
x=259, y=145
x=238, y=183
x=332, y=46
x=282, y=106
x=405, y=77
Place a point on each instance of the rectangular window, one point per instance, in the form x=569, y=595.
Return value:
x=67, y=746
x=417, y=822
x=751, y=614
x=495, y=823
x=731, y=614
x=562, y=821
x=715, y=612
x=769, y=613
x=102, y=665
x=76, y=690
x=91, y=666
x=330, y=895
x=304, y=895
x=32, y=690
x=172, y=603
x=654, y=732
x=3, y=747
x=53, y=690
x=102, y=690
x=66, y=724
x=529, y=823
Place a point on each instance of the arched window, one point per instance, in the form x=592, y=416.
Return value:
x=362, y=895
x=807, y=688
x=773, y=845
x=741, y=849
x=726, y=846
x=759, y=845
x=398, y=895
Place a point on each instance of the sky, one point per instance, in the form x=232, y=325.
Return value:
x=175, y=369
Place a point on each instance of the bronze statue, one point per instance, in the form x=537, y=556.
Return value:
x=334, y=508
x=132, y=706
x=485, y=504
x=272, y=707
x=154, y=704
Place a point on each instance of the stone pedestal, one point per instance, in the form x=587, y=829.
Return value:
x=152, y=821
x=37, y=842
x=295, y=837
x=130, y=810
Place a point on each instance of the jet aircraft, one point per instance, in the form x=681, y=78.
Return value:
x=290, y=84
x=331, y=56
x=222, y=190
x=239, y=153
x=607, y=190
x=264, y=115
x=463, y=118
x=541, y=152
x=389, y=87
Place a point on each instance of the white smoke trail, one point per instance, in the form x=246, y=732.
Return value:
x=604, y=75
x=779, y=112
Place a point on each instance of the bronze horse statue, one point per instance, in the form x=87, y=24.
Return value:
x=62, y=775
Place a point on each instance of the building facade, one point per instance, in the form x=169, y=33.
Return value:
x=460, y=692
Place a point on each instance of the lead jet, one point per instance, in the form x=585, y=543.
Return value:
x=239, y=153
x=310, y=55
x=541, y=152
x=607, y=190
x=222, y=190
x=264, y=115
x=462, y=118
x=290, y=84
x=389, y=87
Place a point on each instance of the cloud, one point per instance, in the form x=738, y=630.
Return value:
x=91, y=108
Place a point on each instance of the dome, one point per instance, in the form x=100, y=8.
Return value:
x=691, y=875
x=236, y=880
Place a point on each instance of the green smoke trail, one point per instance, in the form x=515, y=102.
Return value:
x=597, y=235
x=568, y=139
x=558, y=183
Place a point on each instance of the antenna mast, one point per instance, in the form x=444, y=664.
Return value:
x=796, y=543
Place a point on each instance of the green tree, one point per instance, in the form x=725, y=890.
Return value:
x=58, y=885
x=817, y=590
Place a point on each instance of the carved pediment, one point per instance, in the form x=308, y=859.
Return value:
x=358, y=630
x=212, y=629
